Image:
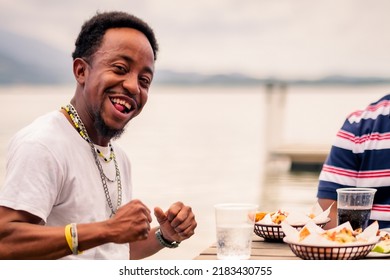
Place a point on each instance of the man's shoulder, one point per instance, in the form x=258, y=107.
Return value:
x=43, y=128
x=374, y=112
x=383, y=98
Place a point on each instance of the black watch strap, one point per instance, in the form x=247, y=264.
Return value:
x=165, y=242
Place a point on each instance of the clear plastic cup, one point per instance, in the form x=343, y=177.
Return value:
x=235, y=227
x=354, y=206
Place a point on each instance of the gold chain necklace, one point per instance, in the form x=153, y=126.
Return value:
x=74, y=116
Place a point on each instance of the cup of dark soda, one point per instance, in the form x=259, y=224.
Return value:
x=354, y=206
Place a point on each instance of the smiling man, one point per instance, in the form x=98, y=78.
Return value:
x=67, y=191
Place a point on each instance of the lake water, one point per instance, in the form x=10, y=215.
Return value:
x=207, y=145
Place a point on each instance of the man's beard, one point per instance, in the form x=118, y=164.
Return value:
x=104, y=130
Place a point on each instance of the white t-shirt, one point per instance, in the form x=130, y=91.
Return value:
x=51, y=173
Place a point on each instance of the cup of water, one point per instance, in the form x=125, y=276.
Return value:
x=235, y=227
x=354, y=205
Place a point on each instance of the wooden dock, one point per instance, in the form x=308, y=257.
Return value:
x=302, y=153
x=303, y=157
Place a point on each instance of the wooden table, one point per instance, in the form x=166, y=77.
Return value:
x=261, y=250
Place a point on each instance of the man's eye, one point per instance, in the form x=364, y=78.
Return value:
x=120, y=68
x=145, y=82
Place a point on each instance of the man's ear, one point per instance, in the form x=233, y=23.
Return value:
x=79, y=70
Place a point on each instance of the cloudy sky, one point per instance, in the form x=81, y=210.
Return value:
x=279, y=38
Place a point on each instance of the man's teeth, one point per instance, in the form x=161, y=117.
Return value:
x=122, y=102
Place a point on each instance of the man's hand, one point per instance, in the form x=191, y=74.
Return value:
x=177, y=223
x=131, y=222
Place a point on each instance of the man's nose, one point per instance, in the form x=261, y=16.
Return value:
x=131, y=84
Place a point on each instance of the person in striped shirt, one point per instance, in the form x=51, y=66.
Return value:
x=360, y=157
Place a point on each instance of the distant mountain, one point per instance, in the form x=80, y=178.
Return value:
x=192, y=78
x=27, y=60
x=342, y=79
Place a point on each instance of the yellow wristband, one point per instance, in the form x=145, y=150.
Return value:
x=68, y=237
x=72, y=238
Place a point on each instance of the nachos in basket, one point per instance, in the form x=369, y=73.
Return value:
x=292, y=217
x=276, y=217
x=342, y=235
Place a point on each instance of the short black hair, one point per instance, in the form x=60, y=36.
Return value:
x=93, y=30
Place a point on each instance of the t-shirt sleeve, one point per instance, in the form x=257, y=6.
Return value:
x=33, y=178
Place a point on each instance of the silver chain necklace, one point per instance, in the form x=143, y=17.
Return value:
x=83, y=132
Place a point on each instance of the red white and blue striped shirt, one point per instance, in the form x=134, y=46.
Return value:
x=360, y=157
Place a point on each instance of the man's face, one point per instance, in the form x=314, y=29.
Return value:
x=118, y=79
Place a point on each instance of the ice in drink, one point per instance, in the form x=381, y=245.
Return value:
x=234, y=242
x=358, y=218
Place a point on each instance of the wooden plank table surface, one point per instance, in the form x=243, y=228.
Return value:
x=265, y=250
x=261, y=250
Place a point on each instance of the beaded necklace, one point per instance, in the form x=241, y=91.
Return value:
x=102, y=156
x=79, y=125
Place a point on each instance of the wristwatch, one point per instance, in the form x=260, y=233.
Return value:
x=165, y=242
